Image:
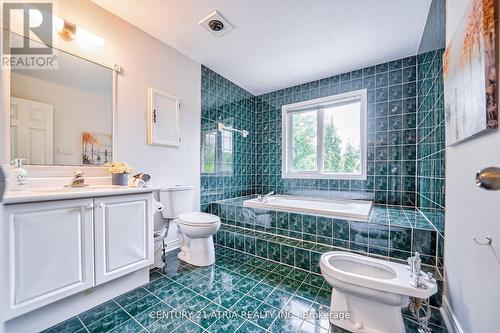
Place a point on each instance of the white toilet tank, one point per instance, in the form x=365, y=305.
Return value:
x=177, y=200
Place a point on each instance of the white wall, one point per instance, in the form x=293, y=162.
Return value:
x=2, y=294
x=76, y=110
x=472, y=272
x=145, y=62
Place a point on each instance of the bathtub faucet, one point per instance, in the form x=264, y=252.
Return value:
x=263, y=198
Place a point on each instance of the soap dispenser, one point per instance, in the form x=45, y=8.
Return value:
x=18, y=177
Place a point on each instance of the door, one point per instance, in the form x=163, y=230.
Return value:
x=123, y=235
x=50, y=251
x=31, y=131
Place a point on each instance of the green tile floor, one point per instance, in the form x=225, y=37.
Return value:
x=240, y=293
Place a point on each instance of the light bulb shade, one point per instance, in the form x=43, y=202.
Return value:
x=68, y=30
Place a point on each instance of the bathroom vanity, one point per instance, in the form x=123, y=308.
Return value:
x=67, y=250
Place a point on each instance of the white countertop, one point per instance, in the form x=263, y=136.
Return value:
x=65, y=193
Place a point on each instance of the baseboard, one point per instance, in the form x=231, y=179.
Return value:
x=449, y=318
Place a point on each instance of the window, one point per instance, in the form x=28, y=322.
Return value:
x=226, y=152
x=208, y=149
x=325, y=137
x=217, y=152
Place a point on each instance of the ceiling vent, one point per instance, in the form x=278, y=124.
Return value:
x=216, y=24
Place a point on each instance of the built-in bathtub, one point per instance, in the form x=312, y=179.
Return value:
x=285, y=234
x=338, y=208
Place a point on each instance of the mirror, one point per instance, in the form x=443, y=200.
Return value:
x=62, y=116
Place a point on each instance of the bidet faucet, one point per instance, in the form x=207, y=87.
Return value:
x=263, y=198
x=415, y=264
x=419, y=279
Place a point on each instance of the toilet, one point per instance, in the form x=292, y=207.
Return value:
x=371, y=291
x=195, y=229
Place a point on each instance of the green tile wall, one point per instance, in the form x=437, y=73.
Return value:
x=395, y=98
x=430, y=122
x=224, y=101
x=392, y=107
x=431, y=128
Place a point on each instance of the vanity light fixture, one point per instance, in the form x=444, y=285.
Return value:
x=69, y=30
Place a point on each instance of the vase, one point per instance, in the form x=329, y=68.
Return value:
x=120, y=179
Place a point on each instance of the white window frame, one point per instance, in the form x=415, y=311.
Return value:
x=319, y=104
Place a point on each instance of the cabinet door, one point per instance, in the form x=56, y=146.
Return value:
x=164, y=119
x=50, y=251
x=123, y=235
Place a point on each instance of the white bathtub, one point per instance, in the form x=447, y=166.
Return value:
x=347, y=209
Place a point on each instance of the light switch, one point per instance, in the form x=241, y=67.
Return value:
x=65, y=152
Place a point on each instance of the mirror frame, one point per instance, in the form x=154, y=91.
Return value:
x=6, y=91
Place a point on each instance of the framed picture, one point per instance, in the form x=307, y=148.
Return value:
x=97, y=148
x=469, y=71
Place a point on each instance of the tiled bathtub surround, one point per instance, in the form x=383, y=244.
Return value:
x=230, y=175
x=299, y=240
x=392, y=108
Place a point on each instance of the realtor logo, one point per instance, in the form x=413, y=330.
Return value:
x=28, y=35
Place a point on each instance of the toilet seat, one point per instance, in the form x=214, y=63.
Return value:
x=198, y=219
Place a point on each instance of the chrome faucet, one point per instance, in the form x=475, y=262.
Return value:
x=78, y=179
x=263, y=198
x=419, y=279
x=415, y=264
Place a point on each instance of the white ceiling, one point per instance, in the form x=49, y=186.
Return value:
x=280, y=43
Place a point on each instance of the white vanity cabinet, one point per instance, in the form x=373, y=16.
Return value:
x=55, y=249
x=50, y=251
x=123, y=229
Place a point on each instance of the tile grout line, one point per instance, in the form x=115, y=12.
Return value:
x=263, y=301
x=95, y=321
x=293, y=295
x=385, y=258
x=81, y=321
x=132, y=317
x=198, y=294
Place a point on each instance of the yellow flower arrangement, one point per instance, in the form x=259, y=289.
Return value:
x=119, y=167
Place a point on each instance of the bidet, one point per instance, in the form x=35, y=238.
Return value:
x=372, y=291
